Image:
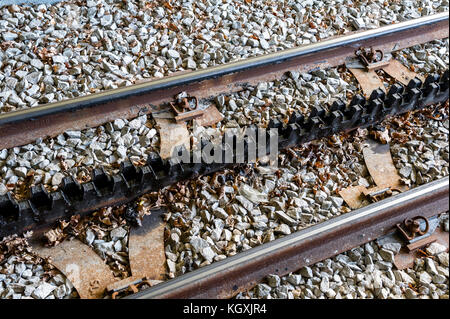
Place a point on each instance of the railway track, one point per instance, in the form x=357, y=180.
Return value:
x=43, y=209
x=238, y=273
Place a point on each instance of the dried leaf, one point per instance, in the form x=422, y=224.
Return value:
x=173, y=27
x=381, y=136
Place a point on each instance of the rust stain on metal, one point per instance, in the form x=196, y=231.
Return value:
x=172, y=135
x=210, y=117
x=405, y=259
x=379, y=163
x=400, y=72
x=368, y=80
x=81, y=265
x=353, y=196
x=146, y=248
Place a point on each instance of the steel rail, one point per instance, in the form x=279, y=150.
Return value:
x=234, y=274
x=24, y=126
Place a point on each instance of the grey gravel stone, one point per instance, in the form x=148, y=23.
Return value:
x=118, y=233
x=90, y=236
x=263, y=290
x=43, y=290
x=435, y=249
x=393, y=247
x=273, y=281
x=3, y=189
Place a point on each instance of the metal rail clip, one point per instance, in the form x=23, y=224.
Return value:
x=418, y=231
x=371, y=59
x=413, y=227
x=186, y=109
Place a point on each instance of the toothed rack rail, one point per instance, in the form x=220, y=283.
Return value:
x=43, y=208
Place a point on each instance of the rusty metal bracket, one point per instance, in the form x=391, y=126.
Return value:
x=411, y=250
x=413, y=227
x=131, y=284
x=184, y=111
x=372, y=59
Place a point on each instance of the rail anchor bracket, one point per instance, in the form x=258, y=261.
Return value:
x=372, y=59
x=413, y=228
x=416, y=234
x=186, y=108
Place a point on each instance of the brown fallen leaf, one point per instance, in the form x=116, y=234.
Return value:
x=381, y=136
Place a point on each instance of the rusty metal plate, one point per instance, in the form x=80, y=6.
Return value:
x=172, y=134
x=210, y=117
x=375, y=189
x=353, y=196
x=187, y=116
x=81, y=265
x=400, y=72
x=377, y=65
x=379, y=163
x=421, y=243
x=368, y=80
x=146, y=248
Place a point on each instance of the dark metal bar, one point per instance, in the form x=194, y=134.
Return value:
x=22, y=127
x=226, y=278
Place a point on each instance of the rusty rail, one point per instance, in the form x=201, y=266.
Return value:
x=22, y=127
x=238, y=273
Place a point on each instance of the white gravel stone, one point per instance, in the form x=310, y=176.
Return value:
x=118, y=233
x=43, y=290
x=90, y=236
x=435, y=249
x=273, y=281
x=443, y=259
x=3, y=189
